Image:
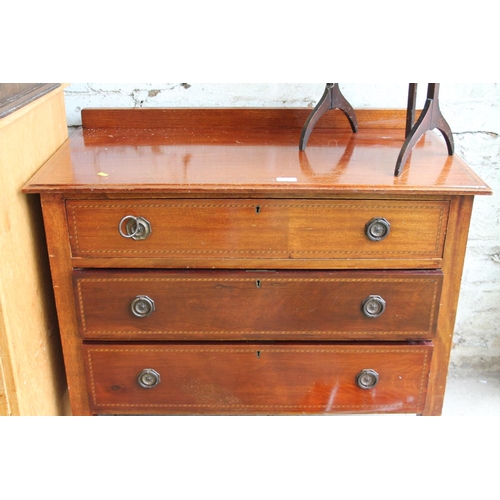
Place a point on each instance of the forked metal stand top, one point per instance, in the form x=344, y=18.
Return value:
x=430, y=118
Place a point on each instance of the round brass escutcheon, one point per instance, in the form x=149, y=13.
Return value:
x=148, y=378
x=367, y=379
x=377, y=229
x=142, y=306
x=373, y=306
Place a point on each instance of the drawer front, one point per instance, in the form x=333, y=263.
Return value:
x=256, y=379
x=228, y=230
x=243, y=305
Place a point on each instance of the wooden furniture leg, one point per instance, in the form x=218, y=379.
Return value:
x=331, y=99
x=54, y=213
x=430, y=119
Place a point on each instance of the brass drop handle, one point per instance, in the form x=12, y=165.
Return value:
x=142, y=306
x=367, y=379
x=373, y=306
x=137, y=228
x=148, y=378
x=377, y=229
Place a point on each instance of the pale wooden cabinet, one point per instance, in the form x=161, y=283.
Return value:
x=32, y=378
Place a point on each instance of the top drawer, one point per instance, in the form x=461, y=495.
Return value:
x=187, y=231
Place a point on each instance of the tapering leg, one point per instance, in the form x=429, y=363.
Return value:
x=430, y=119
x=412, y=102
x=332, y=98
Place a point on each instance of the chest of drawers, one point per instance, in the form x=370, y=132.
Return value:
x=203, y=265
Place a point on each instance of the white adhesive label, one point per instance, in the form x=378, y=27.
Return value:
x=286, y=179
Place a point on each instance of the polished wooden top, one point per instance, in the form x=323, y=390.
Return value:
x=248, y=152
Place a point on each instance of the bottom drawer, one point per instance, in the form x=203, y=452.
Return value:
x=256, y=378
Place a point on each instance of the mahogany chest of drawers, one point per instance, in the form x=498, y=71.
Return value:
x=203, y=265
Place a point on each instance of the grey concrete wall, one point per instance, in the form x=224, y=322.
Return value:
x=473, y=112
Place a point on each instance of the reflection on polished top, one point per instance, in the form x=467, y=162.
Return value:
x=196, y=157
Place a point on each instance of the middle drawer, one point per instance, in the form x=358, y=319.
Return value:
x=250, y=305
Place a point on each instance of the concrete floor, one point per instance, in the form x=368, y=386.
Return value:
x=472, y=394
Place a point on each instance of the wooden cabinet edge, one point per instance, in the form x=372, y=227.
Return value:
x=54, y=213
x=453, y=261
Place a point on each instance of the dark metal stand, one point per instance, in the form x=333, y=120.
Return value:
x=331, y=99
x=430, y=119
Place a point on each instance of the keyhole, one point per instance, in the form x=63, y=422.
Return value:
x=257, y=209
x=258, y=354
x=258, y=283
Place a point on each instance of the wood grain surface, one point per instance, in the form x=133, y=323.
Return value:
x=32, y=380
x=186, y=231
x=257, y=305
x=256, y=378
x=257, y=261
x=226, y=160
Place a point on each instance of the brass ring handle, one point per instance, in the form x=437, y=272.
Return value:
x=148, y=378
x=377, y=229
x=373, y=306
x=142, y=306
x=129, y=218
x=137, y=228
x=367, y=379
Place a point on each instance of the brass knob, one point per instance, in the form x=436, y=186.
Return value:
x=142, y=306
x=373, y=306
x=377, y=229
x=148, y=378
x=367, y=379
x=137, y=228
